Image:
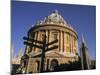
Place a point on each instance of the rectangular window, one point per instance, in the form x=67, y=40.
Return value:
x=55, y=35
x=42, y=35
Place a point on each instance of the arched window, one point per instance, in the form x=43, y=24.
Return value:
x=54, y=64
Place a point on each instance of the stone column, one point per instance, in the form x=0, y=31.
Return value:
x=72, y=45
x=50, y=37
x=61, y=41
x=68, y=42
x=36, y=43
x=38, y=38
x=77, y=45
x=58, y=41
x=65, y=43
x=27, y=47
x=46, y=36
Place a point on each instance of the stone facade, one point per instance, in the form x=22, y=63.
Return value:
x=54, y=27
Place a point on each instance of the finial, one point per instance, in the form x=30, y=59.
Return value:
x=55, y=11
x=83, y=38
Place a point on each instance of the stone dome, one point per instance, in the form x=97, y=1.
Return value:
x=53, y=18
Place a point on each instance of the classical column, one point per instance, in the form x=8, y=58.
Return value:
x=63, y=40
x=36, y=43
x=38, y=38
x=38, y=35
x=59, y=41
x=46, y=36
x=74, y=44
x=70, y=43
x=77, y=45
x=65, y=43
x=34, y=39
x=27, y=47
x=50, y=37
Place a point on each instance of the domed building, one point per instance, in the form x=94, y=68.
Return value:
x=55, y=28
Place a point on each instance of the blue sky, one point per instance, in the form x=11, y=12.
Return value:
x=80, y=17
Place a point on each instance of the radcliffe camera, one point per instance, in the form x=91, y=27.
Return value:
x=51, y=37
